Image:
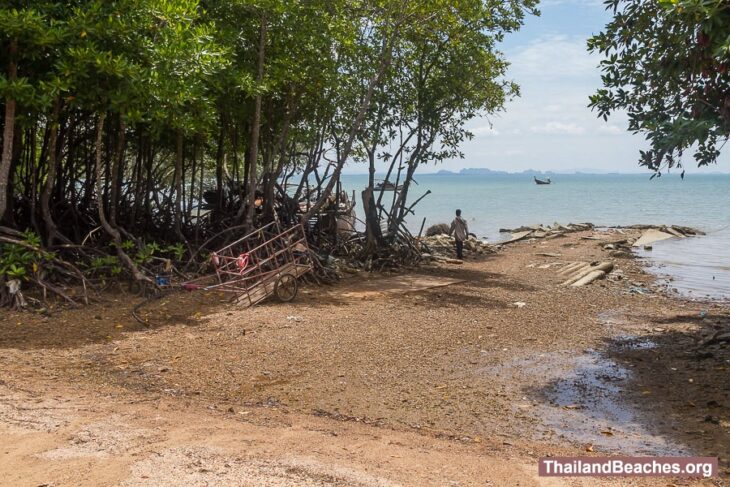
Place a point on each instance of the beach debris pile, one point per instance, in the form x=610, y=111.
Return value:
x=656, y=234
x=620, y=249
x=341, y=251
x=341, y=267
x=441, y=247
x=351, y=255
x=547, y=232
x=650, y=235
x=617, y=249
x=578, y=274
x=438, y=229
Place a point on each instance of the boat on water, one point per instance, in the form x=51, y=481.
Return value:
x=387, y=186
x=542, y=181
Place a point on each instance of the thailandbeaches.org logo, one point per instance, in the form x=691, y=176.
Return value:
x=696, y=467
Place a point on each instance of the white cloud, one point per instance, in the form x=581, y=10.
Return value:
x=551, y=127
x=552, y=57
x=484, y=130
x=610, y=130
x=558, y=128
x=554, y=108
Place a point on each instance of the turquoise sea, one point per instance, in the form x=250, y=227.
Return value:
x=699, y=266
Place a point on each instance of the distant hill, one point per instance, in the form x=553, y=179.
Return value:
x=483, y=171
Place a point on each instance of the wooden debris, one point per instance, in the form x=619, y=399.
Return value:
x=589, y=278
x=570, y=268
x=516, y=237
x=539, y=231
x=442, y=246
x=587, y=274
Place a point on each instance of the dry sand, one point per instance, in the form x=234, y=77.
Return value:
x=436, y=378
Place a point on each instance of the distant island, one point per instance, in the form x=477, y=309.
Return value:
x=483, y=171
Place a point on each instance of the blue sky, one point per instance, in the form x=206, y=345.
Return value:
x=550, y=127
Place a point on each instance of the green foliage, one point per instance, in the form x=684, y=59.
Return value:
x=666, y=64
x=19, y=261
x=108, y=264
x=145, y=254
x=177, y=250
x=127, y=245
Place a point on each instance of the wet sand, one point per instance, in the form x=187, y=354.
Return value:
x=454, y=383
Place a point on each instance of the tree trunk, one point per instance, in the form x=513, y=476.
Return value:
x=51, y=228
x=14, y=164
x=372, y=222
x=255, y=127
x=33, y=167
x=177, y=184
x=148, y=181
x=8, y=130
x=200, y=198
x=193, y=175
x=385, y=58
x=219, y=168
x=137, y=179
x=113, y=232
x=274, y=173
x=371, y=168
x=117, y=172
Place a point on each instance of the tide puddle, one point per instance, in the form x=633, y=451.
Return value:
x=580, y=399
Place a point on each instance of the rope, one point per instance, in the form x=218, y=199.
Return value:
x=139, y=306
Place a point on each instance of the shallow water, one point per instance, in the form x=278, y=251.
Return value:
x=581, y=399
x=696, y=267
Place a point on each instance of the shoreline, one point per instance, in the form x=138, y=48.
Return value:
x=678, y=280
x=456, y=372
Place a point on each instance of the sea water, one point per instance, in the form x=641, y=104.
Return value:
x=698, y=266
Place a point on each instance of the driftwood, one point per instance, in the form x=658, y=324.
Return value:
x=589, y=278
x=587, y=274
x=570, y=268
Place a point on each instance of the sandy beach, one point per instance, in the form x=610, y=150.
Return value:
x=445, y=375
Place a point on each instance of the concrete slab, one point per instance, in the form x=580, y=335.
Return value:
x=652, y=235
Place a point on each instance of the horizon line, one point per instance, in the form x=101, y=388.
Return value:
x=444, y=172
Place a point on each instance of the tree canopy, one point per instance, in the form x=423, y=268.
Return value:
x=666, y=63
x=127, y=122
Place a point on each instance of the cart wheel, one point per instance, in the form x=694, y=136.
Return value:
x=285, y=287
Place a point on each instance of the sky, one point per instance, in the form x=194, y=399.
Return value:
x=549, y=127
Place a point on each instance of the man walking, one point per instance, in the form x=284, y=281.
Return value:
x=460, y=230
